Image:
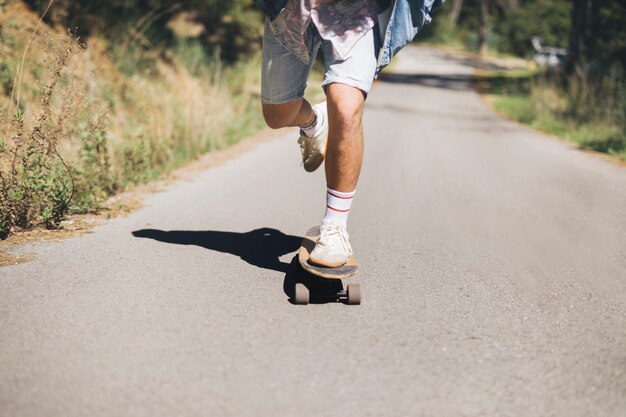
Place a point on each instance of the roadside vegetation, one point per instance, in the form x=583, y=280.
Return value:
x=580, y=97
x=134, y=89
x=131, y=92
x=586, y=113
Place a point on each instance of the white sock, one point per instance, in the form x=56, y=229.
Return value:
x=337, y=207
x=311, y=128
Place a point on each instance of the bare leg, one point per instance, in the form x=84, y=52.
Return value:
x=344, y=153
x=293, y=113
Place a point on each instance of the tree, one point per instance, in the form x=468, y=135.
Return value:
x=578, y=34
x=483, y=27
x=456, y=12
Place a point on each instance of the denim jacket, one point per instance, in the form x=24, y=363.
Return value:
x=398, y=24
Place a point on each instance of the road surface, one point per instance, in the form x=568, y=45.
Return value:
x=493, y=263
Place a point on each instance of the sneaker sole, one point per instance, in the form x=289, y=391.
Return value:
x=320, y=262
x=313, y=163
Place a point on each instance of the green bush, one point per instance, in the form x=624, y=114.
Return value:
x=550, y=20
x=232, y=27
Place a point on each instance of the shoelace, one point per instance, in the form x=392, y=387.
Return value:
x=332, y=230
x=306, y=146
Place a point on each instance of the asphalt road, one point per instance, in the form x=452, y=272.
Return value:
x=493, y=264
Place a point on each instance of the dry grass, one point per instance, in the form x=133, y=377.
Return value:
x=35, y=182
x=93, y=120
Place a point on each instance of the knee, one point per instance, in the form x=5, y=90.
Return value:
x=273, y=119
x=348, y=113
x=346, y=105
x=279, y=115
x=346, y=116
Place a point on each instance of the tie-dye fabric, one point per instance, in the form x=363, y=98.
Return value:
x=341, y=22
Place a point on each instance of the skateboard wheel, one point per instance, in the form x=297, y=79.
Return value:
x=302, y=294
x=354, y=294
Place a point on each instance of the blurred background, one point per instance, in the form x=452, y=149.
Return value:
x=98, y=96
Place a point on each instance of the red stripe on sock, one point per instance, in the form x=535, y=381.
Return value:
x=340, y=211
x=338, y=196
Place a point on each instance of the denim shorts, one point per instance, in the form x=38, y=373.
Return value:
x=284, y=75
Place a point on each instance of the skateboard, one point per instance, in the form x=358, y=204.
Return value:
x=351, y=295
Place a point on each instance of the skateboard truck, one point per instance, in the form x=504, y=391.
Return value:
x=351, y=295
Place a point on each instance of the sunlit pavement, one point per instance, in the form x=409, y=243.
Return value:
x=493, y=265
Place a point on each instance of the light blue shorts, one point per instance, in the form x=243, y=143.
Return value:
x=284, y=75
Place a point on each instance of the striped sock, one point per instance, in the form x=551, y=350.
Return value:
x=337, y=207
x=311, y=128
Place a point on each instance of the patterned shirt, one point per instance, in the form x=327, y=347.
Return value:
x=342, y=22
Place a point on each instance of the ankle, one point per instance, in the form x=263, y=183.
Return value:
x=310, y=128
x=337, y=207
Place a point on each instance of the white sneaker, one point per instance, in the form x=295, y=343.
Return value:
x=313, y=148
x=333, y=247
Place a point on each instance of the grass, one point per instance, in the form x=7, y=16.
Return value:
x=95, y=120
x=588, y=113
x=593, y=135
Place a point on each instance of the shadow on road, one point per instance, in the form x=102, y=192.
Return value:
x=458, y=82
x=260, y=247
x=495, y=77
x=488, y=84
x=322, y=290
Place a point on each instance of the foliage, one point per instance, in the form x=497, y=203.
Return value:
x=231, y=27
x=35, y=183
x=95, y=120
x=586, y=104
x=512, y=24
x=550, y=20
x=607, y=36
x=549, y=102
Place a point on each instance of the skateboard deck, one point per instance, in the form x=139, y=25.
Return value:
x=352, y=293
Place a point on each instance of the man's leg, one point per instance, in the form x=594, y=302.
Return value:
x=344, y=152
x=293, y=113
x=344, y=155
x=283, y=81
x=347, y=83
